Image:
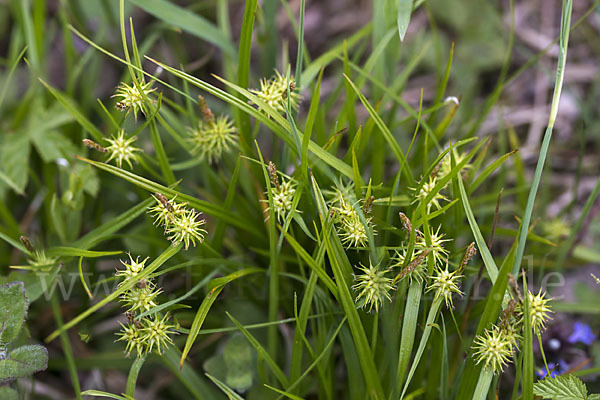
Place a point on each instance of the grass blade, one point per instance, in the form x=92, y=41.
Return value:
x=215, y=287
x=567, y=9
x=188, y=21
x=404, y=11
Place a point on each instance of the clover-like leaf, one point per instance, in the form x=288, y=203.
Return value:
x=565, y=387
x=13, y=310
x=24, y=361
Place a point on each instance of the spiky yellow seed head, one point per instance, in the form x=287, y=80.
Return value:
x=132, y=98
x=283, y=196
x=437, y=245
x=132, y=269
x=445, y=283
x=539, y=311
x=155, y=333
x=212, y=138
x=165, y=211
x=556, y=229
x=373, y=287
x=131, y=335
x=352, y=231
x=40, y=259
x=274, y=92
x=423, y=192
x=121, y=149
x=141, y=299
x=494, y=348
x=446, y=166
x=186, y=227
x=414, y=270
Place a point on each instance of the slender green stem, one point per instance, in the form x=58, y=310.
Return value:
x=560, y=71
x=66, y=345
x=543, y=354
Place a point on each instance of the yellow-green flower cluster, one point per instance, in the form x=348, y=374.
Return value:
x=538, y=311
x=436, y=247
x=282, y=197
x=422, y=192
x=373, y=287
x=181, y=224
x=121, y=149
x=210, y=139
x=282, y=193
x=446, y=165
x=274, y=92
x=351, y=229
x=494, y=349
x=131, y=97
x=142, y=334
x=445, y=283
x=415, y=270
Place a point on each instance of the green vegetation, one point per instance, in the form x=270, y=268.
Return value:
x=211, y=209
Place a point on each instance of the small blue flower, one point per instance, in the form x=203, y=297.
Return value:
x=582, y=333
x=555, y=369
x=541, y=373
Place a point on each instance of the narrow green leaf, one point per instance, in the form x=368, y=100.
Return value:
x=99, y=393
x=134, y=371
x=215, y=287
x=70, y=106
x=75, y=252
x=200, y=205
x=188, y=21
x=488, y=260
x=404, y=11
x=231, y=394
x=431, y=317
x=262, y=353
x=386, y=133
x=243, y=72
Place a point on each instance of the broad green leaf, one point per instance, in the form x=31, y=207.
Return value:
x=239, y=359
x=8, y=393
x=24, y=361
x=35, y=281
x=14, y=160
x=564, y=387
x=13, y=310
